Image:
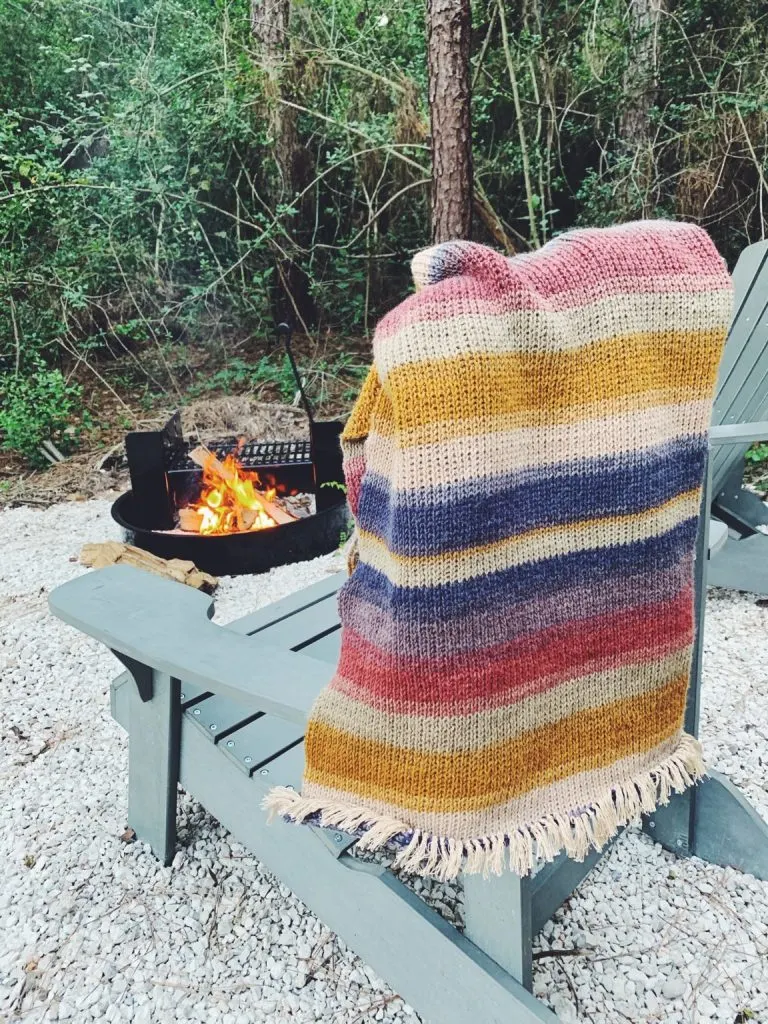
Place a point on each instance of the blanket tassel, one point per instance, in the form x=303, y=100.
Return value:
x=443, y=857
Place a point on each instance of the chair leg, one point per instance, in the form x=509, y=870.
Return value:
x=497, y=919
x=714, y=822
x=740, y=509
x=153, y=765
x=742, y=565
x=728, y=830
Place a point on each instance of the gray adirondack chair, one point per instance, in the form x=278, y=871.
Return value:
x=221, y=710
x=742, y=397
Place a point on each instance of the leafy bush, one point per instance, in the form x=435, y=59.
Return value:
x=137, y=158
x=36, y=408
x=239, y=375
x=758, y=452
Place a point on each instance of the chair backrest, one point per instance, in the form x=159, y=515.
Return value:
x=742, y=387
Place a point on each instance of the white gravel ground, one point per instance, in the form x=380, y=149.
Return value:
x=93, y=929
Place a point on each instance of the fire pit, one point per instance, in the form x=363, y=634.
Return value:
x=234, y=506
x=170, y=489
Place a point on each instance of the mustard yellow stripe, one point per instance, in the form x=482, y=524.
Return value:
x=425, y=733
x=561, y=797
x=464, y=781
x=531, y=546
x=500, y=384
x=359, y=423
x=540, y=419
x=551, y=330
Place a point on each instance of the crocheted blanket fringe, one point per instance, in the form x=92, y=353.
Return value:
x=443, y=857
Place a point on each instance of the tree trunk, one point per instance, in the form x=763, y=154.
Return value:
x=641, y=80
x=448, y=39
x=269, y=26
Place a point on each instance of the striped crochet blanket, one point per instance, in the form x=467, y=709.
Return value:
x=525, y=465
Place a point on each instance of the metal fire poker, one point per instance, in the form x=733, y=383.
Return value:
x=285, y=331
x=326, y=452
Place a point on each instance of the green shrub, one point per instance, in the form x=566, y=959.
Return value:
x=758, y=452
x=35, y=408
x=238, y=376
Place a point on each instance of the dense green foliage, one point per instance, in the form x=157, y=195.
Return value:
x=136, y=204
x=37, y=406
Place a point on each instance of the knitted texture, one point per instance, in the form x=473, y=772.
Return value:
x=525, y=466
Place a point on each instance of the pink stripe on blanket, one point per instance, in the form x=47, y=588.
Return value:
x=524, y=666
x=461, y=705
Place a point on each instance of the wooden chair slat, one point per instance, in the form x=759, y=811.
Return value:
x=290, y=606
x=257, y=743
x=748, y=305
x=191, y=694
x=301, y=631
x=219, y=717
x=325, y=648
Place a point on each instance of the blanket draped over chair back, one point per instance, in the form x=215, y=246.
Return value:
x=525, y=466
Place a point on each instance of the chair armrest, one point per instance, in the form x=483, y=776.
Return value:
x=738, y=433
x=167, y=627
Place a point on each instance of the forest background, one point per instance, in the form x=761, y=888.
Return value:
x=178, y=175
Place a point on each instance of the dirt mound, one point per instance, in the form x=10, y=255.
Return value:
x=243, y=415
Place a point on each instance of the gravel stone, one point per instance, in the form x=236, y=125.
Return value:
x=673, y=988
x=118, y=938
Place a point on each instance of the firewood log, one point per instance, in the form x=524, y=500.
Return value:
x=112, y=552
x=190, y=520
x=278, y=514
x=207, y=460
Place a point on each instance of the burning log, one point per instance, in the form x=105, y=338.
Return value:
x=246, y=516
x=112, y=552
x=190, y=520
x=205, y=459
x=280, y=516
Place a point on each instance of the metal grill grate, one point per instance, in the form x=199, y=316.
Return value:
x=252, y=456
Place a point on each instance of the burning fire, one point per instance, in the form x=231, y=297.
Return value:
x=230, y=501
x=231, y=504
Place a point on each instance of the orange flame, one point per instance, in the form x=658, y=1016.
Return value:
x=229, y=501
